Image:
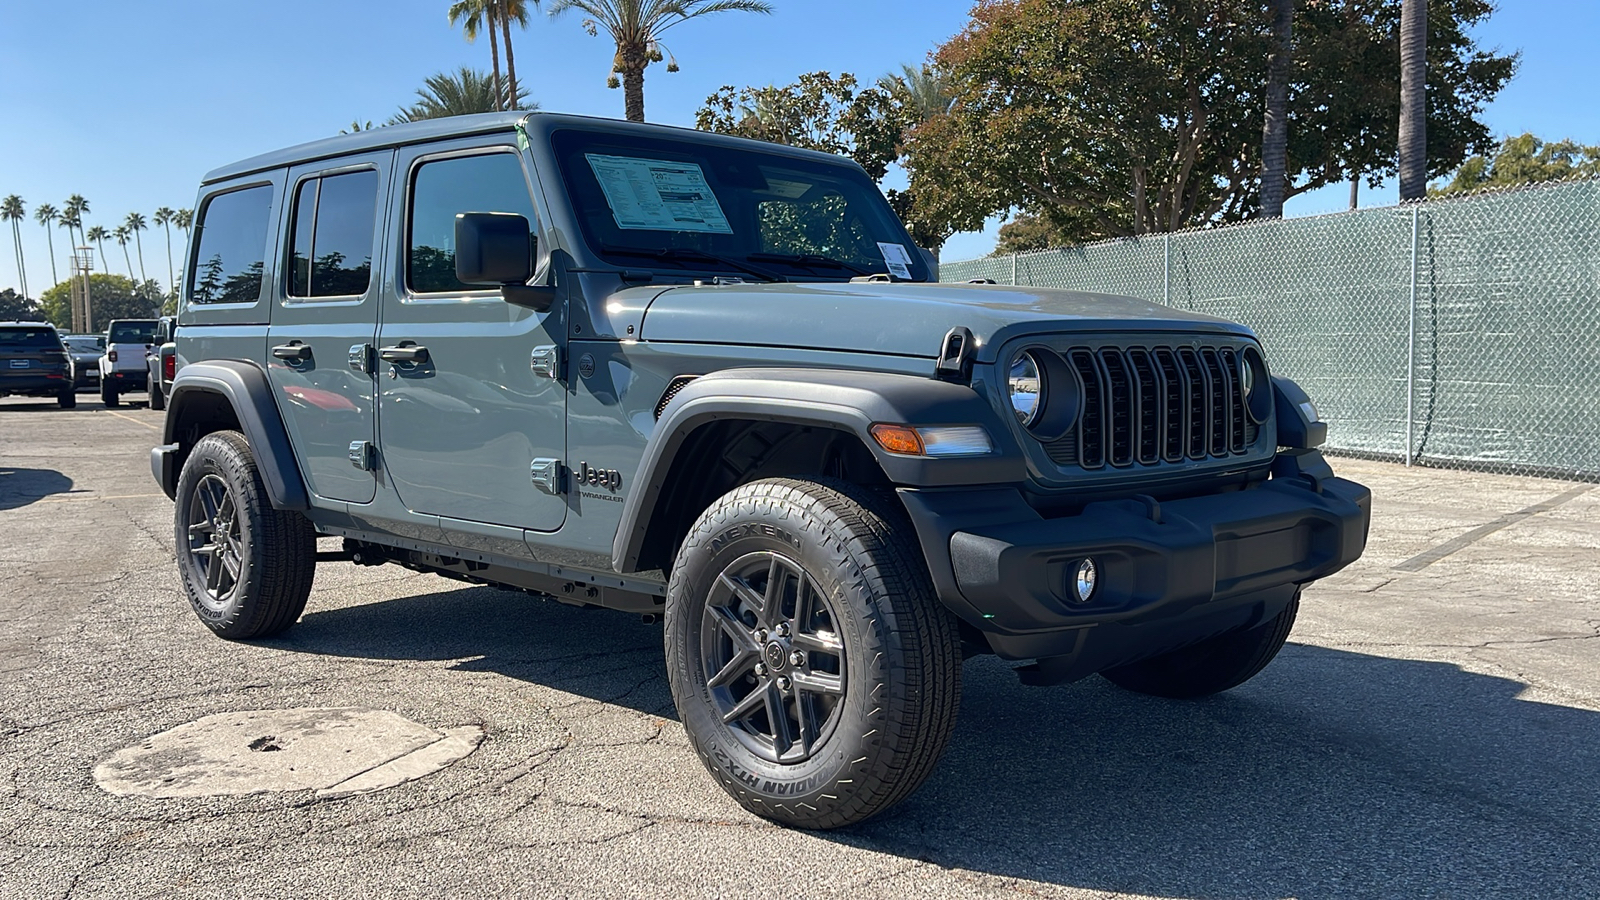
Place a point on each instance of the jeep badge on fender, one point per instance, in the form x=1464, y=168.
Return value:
x=843, y=476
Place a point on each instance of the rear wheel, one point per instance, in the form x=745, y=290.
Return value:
x=67, y=399
x=1211, y=666
x=158, y=398
x=108, y=393
x=814, y=671
x=246, y=567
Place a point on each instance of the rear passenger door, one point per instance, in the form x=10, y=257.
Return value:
x=464, y=425
x=325, y=317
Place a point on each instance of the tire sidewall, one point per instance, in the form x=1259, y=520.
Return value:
x=214, y=456
x=779, y=525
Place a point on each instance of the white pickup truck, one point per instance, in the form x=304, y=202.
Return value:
x=122, y=368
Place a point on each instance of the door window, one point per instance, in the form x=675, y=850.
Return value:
x=330, y=254
x=445, y=187
x=230, y=258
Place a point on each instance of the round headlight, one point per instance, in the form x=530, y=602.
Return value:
x=1027, y=388
x=1257, y=387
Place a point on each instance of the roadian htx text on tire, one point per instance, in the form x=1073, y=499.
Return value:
x=814, y=672
x=246, y=567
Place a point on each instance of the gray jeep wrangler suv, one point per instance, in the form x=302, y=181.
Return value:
x=684, y=375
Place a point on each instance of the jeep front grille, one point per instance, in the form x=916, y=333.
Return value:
x=1153, y=405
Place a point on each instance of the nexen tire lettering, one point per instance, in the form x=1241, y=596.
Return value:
x=752, y=529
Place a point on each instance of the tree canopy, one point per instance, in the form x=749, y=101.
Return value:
x=1521, y=160
x=14, y=306
x=111, y=296
x=465, y=92
x=1114, y=117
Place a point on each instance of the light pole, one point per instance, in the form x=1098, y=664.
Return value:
x=82, y=310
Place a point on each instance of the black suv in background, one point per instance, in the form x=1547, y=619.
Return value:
x=86, y=350
x=34, y=363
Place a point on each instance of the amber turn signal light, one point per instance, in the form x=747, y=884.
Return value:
x=898, y=439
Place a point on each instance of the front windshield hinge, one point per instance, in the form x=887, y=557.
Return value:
x=879, y=278
x=955, y=356
x=720, y=279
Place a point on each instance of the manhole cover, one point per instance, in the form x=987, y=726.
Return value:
x=331, y=751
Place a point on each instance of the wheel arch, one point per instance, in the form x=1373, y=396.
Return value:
x=816, y=422
x=218, y=395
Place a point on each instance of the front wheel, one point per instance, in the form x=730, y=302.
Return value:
x=246, y=567
x=67, y=399
x=814, y=671
x=1211, y=666
x=108, y=392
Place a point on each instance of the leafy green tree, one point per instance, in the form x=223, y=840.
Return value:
x=14, y=210
x=110, y=297
x=14, y=306
x=1521, y=160
x=46, y=215
x=1026, y=233
x=1130, y=116
x=461, y=94
x=636, y=26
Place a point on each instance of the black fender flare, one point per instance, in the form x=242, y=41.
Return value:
x=844, y=400
x=244, y=387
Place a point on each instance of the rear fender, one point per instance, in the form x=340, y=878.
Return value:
x=201, y=396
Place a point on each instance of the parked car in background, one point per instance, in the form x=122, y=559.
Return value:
x=122, y=369
x=34, y=363
x=85, y=350
x=161, y=362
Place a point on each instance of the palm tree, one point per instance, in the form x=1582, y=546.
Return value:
x=1275, y=127
x=636, y=27
x=98, y=234
x=76, y=207
x=921, y=90
x=461, y=94
x=135, y=223
x=475, y=16
x=1413, y=99
x=14, y=210
x=46, y=215
x=184, y=219
x=163, y=217
x=122, y=234
x=512, y=11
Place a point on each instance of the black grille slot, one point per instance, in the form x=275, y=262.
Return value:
x=1155, y=405
x=673, y=387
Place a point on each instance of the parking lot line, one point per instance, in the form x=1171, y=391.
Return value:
x=112, y=497
x=1429, y=557
x=134, y=421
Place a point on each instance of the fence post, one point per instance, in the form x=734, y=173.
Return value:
x=1411, y=336
x=1014, y=269
x=1166, y=269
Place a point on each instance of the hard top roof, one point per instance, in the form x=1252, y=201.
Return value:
x=461, y=126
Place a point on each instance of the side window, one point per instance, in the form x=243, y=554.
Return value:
x=445, y=187
x=229, y=259
x=330, y=254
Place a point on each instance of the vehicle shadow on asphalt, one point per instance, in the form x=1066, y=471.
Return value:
x=20, y=487
x=1332, y=774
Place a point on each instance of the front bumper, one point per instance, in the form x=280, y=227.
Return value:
x=1169, y=573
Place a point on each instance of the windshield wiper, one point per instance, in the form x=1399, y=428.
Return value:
x=688, y=253
x=810, y=260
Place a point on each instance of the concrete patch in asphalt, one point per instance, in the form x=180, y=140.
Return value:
x=331, y=751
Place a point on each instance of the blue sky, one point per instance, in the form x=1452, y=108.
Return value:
x=129, y=103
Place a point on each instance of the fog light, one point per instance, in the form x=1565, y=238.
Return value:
x=1084, y=580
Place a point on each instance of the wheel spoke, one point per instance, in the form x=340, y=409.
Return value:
x=772, y=600
x=778, y=718
x=201, y=529
x=748, y=594
x=820, y=641
x=208, y=502
x=745, y=707
x=214, y=569
x=803, y=603
x=808, y=728
x=230, y=561
x=741, y=662
x=817, y=682
x=735, y=628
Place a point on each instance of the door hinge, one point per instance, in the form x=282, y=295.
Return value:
x=547, y=476
x=361, y=358
x=546, y=361
x=363, y=455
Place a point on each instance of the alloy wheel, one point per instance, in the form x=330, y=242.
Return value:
x=216, y=548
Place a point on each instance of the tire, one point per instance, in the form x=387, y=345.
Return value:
x=67, y=399
x=872, y=661
x=253, y=583
x=158, y=397
x=108, y=393
x=1211, y=666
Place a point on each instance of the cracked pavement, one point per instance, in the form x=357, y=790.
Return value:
x=1428, y=732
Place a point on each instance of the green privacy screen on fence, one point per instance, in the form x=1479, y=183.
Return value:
x=1481, y=315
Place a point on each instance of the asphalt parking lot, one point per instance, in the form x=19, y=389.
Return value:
x=1433, y=729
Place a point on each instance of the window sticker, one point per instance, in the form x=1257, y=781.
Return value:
x=898, y=259
x=658, y=194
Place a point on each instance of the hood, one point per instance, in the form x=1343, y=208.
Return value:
x=903, y=319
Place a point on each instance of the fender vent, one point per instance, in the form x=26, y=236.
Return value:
x=673, y=387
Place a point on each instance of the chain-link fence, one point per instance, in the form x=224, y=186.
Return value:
x=1461, y=332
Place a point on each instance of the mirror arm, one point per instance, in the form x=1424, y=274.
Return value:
x=536, y=298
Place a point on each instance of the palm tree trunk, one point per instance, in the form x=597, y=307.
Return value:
x=103, y=264
x=128, y=259
x=634, y=59
x=172, y=279
x=1275, y=130
x=493, y=12
x=22, y=264
x=511, y=63
x=1413, y=100
x=1355, y=191
x=50, y=241
x=139, y=242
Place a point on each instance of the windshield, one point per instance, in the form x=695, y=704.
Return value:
x=29, y=339
x=85, y=344
x=668, y=204
x=133, y=332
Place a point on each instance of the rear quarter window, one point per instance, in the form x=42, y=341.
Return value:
x=230, y=255
x=29, y=339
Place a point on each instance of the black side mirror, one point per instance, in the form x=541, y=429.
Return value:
x=494, y=248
